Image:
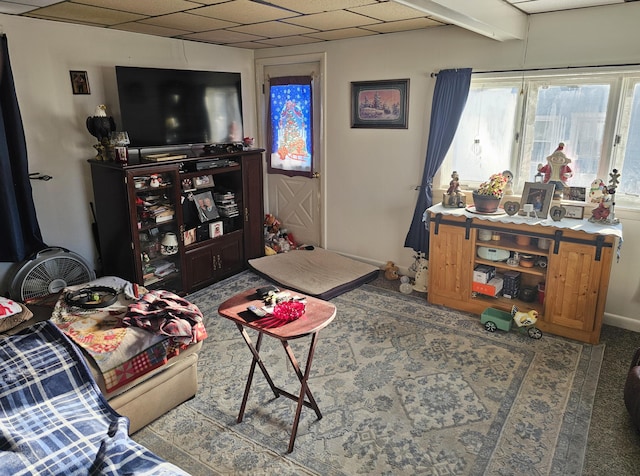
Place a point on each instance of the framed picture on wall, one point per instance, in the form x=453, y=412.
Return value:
x=539, y=195
x=79, y=82
x=380, y=104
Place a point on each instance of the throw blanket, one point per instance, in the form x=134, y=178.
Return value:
x=165, y=313
x=53, y=418
x=122, y=353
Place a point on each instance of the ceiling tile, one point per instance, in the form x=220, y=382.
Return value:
x=35, y=3
x=188, y=22
x=318, y=6
x=14, y=8
x=143, y=7
x=403, y=25
x=243, y=11
x=332, y=20
x=85, y=13
x=273, y=29
x=209, y=2
x=290, y=41
x=540, y=6
x=251, y=45
x=222, y=36
x=389, y=11
x=341, y=34
x=137, y=27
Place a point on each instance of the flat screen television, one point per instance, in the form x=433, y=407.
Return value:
x=168, y=107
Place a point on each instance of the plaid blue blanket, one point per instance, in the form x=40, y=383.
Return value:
x=53, y=418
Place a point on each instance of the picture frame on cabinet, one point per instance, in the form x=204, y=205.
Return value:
x=203, y=181
x=189, y=236
x=573, y=211
x=215, y=229
x=539, y=195
x=206, y=207
x=576, y=194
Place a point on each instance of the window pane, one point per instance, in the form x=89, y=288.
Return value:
x=573, y=114
x=483, y=141
x=630, y=173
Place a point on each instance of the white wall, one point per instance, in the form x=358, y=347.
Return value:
x=370, y=174
x=42, y=53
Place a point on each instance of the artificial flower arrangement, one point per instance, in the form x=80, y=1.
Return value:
x=494, y=187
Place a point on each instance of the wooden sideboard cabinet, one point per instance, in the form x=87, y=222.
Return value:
x=142, y=202
x=572, y=262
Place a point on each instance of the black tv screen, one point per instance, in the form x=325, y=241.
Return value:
x=161, y=107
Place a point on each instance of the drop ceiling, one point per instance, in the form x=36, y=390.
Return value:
x=257, y=24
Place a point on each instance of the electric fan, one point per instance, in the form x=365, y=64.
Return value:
x=47, y=272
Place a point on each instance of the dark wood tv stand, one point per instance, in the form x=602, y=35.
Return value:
x=141, y=204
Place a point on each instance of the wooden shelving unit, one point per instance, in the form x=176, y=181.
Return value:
x=576, y=276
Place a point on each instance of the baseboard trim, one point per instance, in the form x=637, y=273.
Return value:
x=622, y=322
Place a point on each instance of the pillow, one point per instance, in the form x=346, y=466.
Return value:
x=12, y=314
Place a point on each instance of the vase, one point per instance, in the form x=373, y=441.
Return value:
x=485, y=203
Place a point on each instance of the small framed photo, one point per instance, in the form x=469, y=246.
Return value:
x=203, y=181
x=575, y=194
x=574, y=211
x=207, y=209
x=79, y=82
x=189, y=236
x=215, y=229
x=539, y=195
x=380, y=104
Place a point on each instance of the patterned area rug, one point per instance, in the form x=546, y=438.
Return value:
x=404, y=388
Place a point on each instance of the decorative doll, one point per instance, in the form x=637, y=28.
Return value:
x=557, y=170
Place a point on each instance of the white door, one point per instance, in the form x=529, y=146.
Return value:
x=296, y=201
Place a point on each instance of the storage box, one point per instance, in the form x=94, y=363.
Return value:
x=492, y=288
x=511, y=284
x=484, y=273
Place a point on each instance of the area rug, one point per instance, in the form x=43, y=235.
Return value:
x=404, y=387
x=316, y=272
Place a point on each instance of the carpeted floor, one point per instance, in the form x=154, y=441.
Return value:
x=405, y=388
x=613, y=446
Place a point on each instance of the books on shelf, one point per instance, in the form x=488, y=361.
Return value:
x=164, y=157
x=226, y=203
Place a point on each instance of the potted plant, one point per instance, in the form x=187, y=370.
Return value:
x=487, y=198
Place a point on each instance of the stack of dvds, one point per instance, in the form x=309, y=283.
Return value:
x=226, y=204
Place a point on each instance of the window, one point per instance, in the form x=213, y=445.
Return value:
x=516, y=123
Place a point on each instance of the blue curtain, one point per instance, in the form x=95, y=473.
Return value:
x=449, y=99
x=19, y=230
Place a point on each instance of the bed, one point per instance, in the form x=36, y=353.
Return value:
x=54, y=418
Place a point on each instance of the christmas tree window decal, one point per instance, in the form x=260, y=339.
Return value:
x=290, y=126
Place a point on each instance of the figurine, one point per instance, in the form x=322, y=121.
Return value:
x=604, y=212
x=597, y=190
x=508, y=187
x=557, y=170
x=454, y=197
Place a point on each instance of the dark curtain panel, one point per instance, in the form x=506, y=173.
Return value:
x=449, y=99
x=19, y=233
